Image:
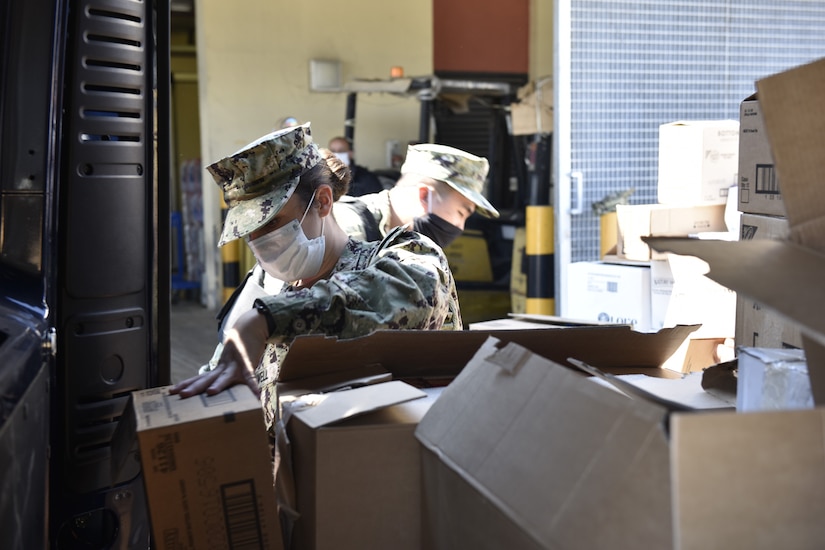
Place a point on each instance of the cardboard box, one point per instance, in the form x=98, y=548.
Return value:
x=641, y=220
x=356, y=467
x=757, y=326
x=758, y=184
x=523, y=453
x=533, y=113
x=207, y=469
x=606, y=292
x=698, y=161
x=383, y=510
x=751, y=480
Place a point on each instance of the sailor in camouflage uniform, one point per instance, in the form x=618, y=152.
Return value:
x=440, y=187
x=276, y=189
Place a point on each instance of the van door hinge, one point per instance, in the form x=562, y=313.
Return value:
x=50, y=343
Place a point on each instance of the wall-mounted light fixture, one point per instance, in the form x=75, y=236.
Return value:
x=324, y=75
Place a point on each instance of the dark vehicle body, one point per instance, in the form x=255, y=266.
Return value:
x=84, y=265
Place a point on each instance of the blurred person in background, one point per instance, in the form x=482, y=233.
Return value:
x=440, y=187
x=363, y=182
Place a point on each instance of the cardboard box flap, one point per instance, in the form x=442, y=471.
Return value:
x=153, y=411
x=511, y=426
x=790, y=283
x=321, y=410
x=627, y=388
x=750, y=480
x=796, y=130
x=683, y=394
x=419, y=353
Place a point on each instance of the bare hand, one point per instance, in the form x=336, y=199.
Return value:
x=242, y=352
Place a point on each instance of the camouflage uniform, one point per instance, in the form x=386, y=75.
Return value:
x=348, y=217
x=402, y=282
x=464, y=172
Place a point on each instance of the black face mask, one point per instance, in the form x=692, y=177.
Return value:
x=436, y=228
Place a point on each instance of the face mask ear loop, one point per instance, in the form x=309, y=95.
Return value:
x=429, y=200
x=323, y=220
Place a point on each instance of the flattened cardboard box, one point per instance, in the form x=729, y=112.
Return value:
x=381, y=509
x=207, y=469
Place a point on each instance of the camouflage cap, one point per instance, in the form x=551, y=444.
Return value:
x=259, y=179
x=464, y=172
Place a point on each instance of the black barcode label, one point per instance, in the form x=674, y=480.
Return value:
x=766, y=180
x=240, y=508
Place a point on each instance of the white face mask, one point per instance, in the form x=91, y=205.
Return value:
x=287, y=254
x=343, y=157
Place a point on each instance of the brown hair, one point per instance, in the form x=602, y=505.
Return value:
x=331, y=171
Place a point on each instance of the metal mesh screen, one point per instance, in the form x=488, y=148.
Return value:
x=637, y=65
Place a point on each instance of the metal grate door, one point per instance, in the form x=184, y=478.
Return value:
x=625, y=67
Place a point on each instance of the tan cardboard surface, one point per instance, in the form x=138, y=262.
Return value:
x=755, y=325
x=339, y=405
x=754, y=480
x=412, y=353
x=640, y=220
x=523, y=453
x=795, y=119
x=357, y=480
x=533, y=113
x=207, y=469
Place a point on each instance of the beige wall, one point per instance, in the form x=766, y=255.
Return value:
x=253, y=69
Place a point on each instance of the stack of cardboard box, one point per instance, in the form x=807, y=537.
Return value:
x=760, y=482
x=763, y=217
x=698, y=164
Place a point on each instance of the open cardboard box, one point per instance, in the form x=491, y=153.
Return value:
x=757, y=480
x=521, y=452
x=350, y=476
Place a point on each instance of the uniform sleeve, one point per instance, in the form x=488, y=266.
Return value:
x=407, y=284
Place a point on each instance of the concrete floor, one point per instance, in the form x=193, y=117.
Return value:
x=194, y=334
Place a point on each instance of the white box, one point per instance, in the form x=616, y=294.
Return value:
x=612, y=293
x=641, y=220
x=758, y=184
x=698, y=161
x=696, y=299
x=771, y=379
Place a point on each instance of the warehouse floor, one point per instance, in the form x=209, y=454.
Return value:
x=194, y=335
